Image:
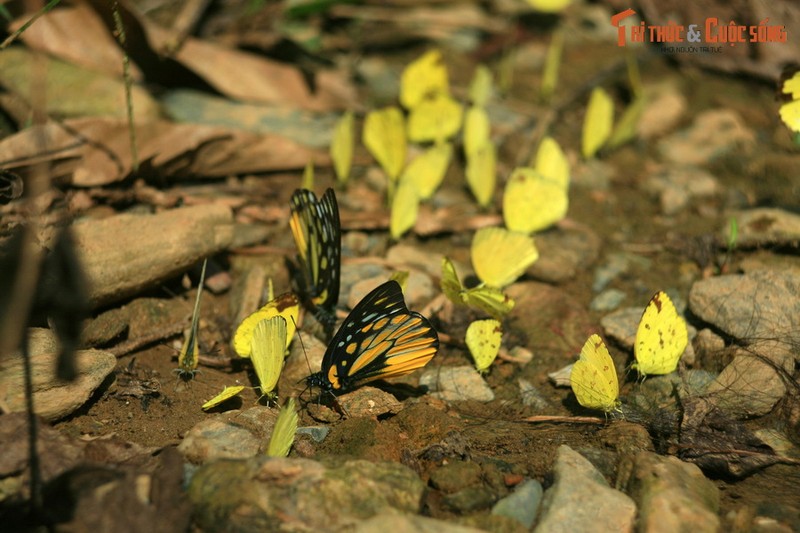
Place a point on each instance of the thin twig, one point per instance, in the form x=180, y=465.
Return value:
x=119, y=28
x=13, y=37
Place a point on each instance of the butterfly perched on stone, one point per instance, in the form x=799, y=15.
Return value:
x=594, y=378
x=380, y=338
x=661, y=337
x=317, y=234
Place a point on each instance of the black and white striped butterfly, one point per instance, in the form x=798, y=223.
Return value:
x=317, y=233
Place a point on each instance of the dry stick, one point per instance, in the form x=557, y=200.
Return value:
x=13, y=37
x=540, y=419
x=126, y=74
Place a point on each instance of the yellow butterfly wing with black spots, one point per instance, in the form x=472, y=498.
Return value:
x=317, y=233
x=594, y=378
x=661, y=337
x=380, y=338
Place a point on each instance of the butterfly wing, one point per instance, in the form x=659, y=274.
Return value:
x=266, y=352
x=189, y=355
x=789, y=92
x=284, y=430
x=594, y=378
x=489, y=300
x=661, y=337
x=226, y=394
x=379, y=339
x=285, y=305
x=532, y=202
x=450, y=284
x=317, y=232
x=500, y=256
x=483, y=340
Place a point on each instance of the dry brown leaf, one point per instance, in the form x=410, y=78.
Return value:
x=249, y=77
x=67, y=86
x=96, y=151
x=392, y=24
x=76, y=34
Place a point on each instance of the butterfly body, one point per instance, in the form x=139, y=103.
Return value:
x=317, y=232
x=379, y=339
x=190, y=352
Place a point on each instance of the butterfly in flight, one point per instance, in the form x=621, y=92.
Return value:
x=317, y=233
x=380, y=338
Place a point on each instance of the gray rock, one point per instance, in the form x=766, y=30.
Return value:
x=751, y=385
x=531, y=397
x=759, y=305
x=614, y=265
x=523, y=504
x=53, y=399
x=581, y=500
x=125, y=254
x=671, y=494
x=608, y=300
x=229, y=435
x=714, y=133
x=470, y=499
x=564, y=253
x=765, y=226
x=454, y=476
x=405, y=523
x=369, y=402
x=269, y=494
x=676, y=187
x=456, y=383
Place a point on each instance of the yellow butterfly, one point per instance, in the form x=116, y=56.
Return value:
x=308, y=176
x=790, y=93
x=661, y=337
x=481, y=172
x=423, y=78
x=551, y=162
x=285, y=305
x=405, y=208
x=226, y=394
x=190, y=352
x=594, y=378
x=401, y=277
x=500, y=256
x=549, y=6
x=480, y=88
x=267, y=348
x=488, y=299
x=342, y=148
x=427, y=170
x=483, y=340
x=476, y=129
x=385, y=137
x=598, y=123
x=434, y=119
x=532, y=202
x=282, y=438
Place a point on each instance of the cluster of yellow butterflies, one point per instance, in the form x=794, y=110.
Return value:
x=661, y=339
x=264, y=338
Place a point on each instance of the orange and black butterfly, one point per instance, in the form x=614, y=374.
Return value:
x=380, y=338
x=317, y=233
